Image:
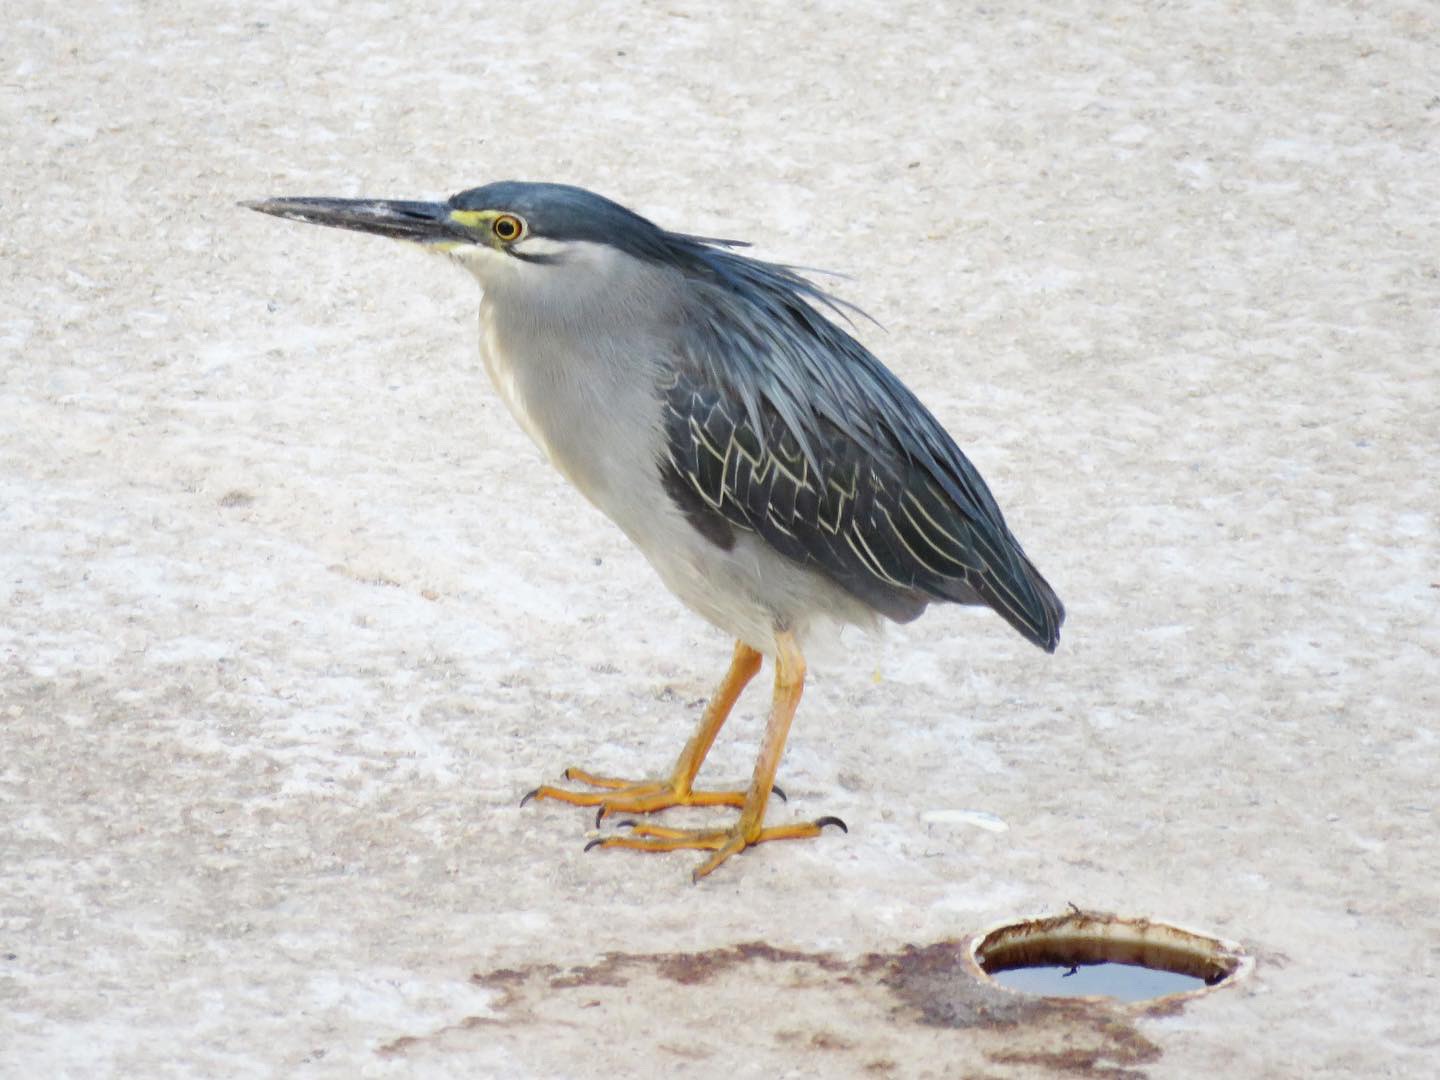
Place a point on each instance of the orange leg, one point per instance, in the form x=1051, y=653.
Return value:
x=749, y=829
x=648, y=796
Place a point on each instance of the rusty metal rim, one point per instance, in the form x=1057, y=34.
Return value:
x=1113, y=937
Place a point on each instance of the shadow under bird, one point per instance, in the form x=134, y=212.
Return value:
x=776, y=475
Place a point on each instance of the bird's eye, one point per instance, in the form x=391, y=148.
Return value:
x=507, y=228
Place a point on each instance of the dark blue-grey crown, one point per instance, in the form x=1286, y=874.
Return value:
x=565, y=212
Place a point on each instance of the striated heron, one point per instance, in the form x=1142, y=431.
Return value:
x=772, y=470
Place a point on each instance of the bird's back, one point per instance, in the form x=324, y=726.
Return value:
x=780, y=423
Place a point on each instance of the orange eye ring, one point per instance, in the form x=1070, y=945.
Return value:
x=507, y=228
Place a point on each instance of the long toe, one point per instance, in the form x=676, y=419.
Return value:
x=616, y=795
x=723, y=843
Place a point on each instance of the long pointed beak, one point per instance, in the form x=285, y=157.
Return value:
x=421, y=222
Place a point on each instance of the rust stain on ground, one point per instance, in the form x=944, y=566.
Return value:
x=919, y=987
x=1067, y=1035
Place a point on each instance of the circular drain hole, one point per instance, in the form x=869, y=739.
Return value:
x=1085, y=954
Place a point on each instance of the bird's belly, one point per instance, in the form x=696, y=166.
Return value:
x=749, y=590
x=606, y=440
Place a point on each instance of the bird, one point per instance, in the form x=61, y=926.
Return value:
x=721, y=411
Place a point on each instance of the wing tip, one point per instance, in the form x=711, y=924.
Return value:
x=1049, y=636
x=1041, y=619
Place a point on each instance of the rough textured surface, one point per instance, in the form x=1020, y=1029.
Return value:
x=291, y=614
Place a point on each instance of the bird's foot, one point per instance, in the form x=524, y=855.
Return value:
x=618, y=796
x=722, y=842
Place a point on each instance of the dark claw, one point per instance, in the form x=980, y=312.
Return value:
x=565, y=775
x=529, y=795
x=599, y=815
x=776, y=789
x=594, y=843
x=831, y=821
x=628, y=823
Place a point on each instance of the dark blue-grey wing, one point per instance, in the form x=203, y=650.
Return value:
x=874, y=515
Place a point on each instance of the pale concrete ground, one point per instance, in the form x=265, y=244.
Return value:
x=293, y=614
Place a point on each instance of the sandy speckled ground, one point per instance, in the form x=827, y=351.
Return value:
x=291, y=614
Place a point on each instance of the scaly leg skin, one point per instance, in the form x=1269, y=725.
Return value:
x=648, y=796
x=749, y=830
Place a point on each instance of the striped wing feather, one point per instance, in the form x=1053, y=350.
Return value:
x=879, y=524
x=779, y=422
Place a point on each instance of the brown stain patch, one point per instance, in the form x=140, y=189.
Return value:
x=859, y=1014
x=1067, y=1035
